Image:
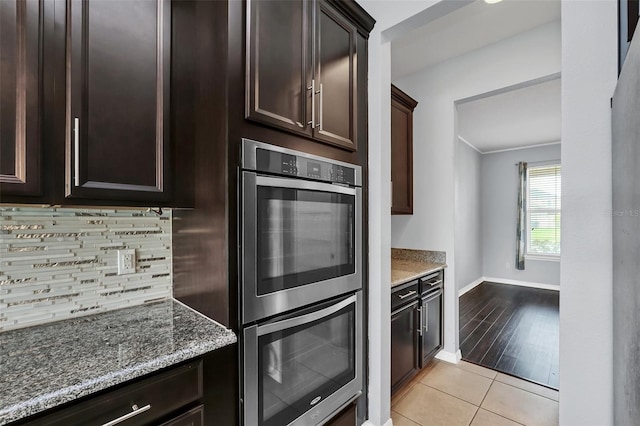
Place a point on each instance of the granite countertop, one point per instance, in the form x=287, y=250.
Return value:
x=47, y=365
x=403, y=271
x=407, y=265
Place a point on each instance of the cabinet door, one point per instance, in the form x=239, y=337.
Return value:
x=431, y=327
x=404, y=350
x=118, y=99
x=20, y=99
x=335, y=78
x=279, y=64
x=401, y=151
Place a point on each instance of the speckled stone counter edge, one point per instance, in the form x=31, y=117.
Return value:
x=429, y=268
x=67, y=394
x=427, y=256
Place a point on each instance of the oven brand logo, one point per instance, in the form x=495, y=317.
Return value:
x=315, y=400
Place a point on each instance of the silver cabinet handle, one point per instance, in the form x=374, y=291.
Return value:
x=321, y=97
x=127, y=416
x=425, y=322
x=421, y=322
x=432, y=283
x=76, y=151
x=404, y=296
x=313, y=104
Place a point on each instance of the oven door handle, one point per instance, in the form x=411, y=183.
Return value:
x=295, y=183
x=304, y=319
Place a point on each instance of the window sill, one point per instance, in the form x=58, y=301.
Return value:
x=550, y=258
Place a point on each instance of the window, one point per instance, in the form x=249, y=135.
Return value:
x=543, y=211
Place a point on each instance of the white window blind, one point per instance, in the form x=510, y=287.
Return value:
x=543, y=210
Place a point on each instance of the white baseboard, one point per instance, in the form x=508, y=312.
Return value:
x=522, y=283
x=471, y=286
x=387, y=423
x=450, y=357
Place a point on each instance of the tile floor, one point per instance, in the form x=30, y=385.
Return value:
x=467, y=394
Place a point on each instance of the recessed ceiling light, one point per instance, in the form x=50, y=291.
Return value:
x=492, y=1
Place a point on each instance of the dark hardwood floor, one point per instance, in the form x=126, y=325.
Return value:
x=512, y=329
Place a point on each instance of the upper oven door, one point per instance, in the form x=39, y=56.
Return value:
x=301, y=243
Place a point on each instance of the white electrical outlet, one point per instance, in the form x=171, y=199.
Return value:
x=126, y=262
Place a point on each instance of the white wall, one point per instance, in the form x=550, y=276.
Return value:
x=588, y=66
x=468, y=215
x=589, y=72
x=499, y=195
x=387, y=14
x=528, y=56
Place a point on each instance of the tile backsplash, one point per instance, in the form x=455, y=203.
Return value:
x=58, y=263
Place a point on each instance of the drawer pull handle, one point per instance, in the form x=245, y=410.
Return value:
x=127, y=416
x=432, y=283
x=404, y=296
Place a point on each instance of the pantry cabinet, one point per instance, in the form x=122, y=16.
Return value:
x=402, y=106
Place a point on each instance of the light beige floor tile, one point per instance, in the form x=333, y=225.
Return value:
x=528, y=386
x=401, y=393
x=400, y=420
x=521, y=406
x=487, y=418
x=428, y=406
x=483, y=371
x=460, y=383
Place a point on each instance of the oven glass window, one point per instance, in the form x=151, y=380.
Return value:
x=301, y=366
x=303, y=237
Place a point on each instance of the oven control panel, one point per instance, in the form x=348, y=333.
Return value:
x=300, y=166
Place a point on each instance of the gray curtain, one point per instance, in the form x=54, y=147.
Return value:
x=521, y=231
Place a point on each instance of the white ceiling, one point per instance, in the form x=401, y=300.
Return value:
x=523, y=117
x=468, y=28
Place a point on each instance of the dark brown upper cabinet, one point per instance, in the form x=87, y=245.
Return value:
x=279, y=64
x=21, y=37
x=117, y=112
x=402, y=106
x=302, y=76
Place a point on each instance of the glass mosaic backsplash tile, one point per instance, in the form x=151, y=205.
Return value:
x=58, y=263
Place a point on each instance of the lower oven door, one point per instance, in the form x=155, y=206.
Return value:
x=300, y=368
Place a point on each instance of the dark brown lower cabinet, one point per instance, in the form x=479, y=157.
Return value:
x=195, y=393
x=404, y=344
x=431, y=323
x=193, y=417
x=416, y=326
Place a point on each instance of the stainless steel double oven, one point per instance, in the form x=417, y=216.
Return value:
x=301, y=281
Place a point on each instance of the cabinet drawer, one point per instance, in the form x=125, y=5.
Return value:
x=431, y=282
x=403, y=294
x=154, y=398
